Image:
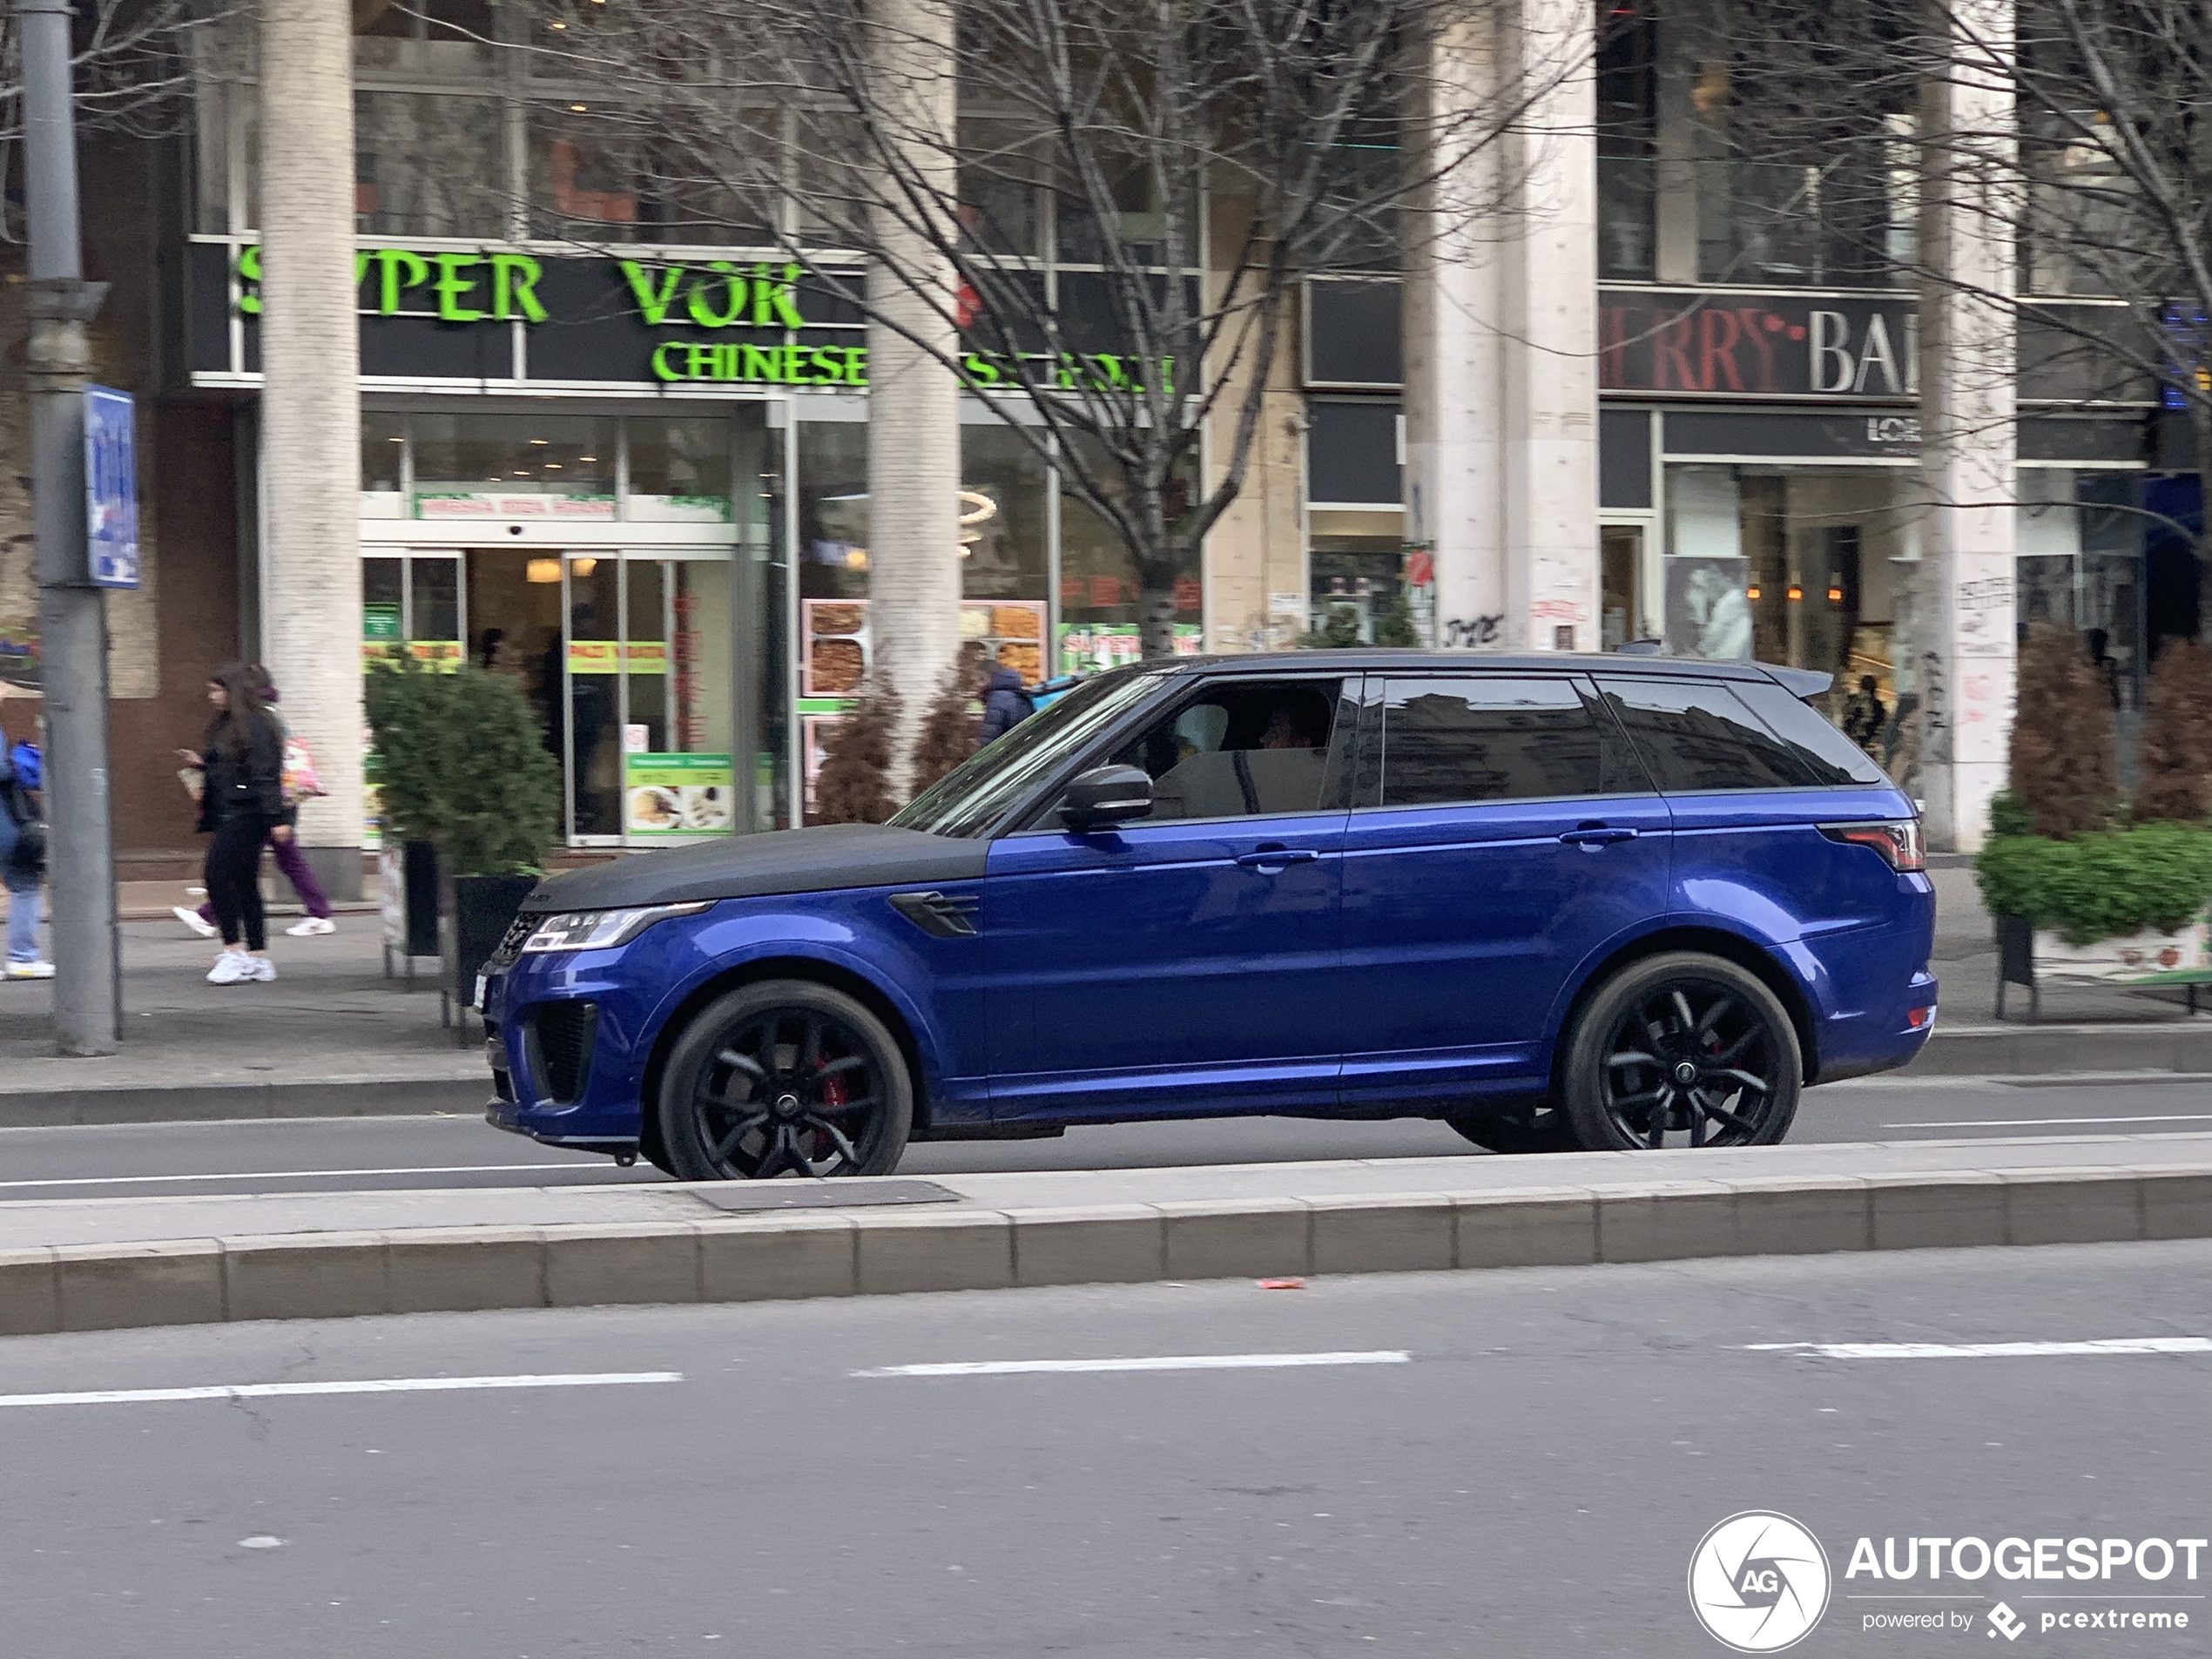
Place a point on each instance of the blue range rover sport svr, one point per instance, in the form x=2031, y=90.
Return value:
x=1557, y=901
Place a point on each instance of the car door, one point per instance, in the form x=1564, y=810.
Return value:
x=1503, y=834
x=1189, y=961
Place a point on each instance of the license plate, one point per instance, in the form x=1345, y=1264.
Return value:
x=481, y=980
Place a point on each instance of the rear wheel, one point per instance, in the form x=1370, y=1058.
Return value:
x=784, y=1077
x=1540, y=1127
x=1681, y=1049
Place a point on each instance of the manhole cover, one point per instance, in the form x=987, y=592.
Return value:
x=737, y=1195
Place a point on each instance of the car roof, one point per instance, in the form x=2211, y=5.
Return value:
x=1800, y=682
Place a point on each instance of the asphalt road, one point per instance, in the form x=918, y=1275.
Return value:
x=1531, y=1477
x=312, y=1153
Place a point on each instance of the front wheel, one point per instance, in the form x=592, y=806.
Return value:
x=784, y=1077
x=1681, y=1049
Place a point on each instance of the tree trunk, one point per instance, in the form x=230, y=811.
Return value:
x=310, y=425
x=913, y=401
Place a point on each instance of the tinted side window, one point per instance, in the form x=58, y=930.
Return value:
x=1697, y=736
x=1830, y=757
x=1496, y=737
x=1244, y=749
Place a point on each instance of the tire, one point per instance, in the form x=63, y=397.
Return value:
x=1520, y=1128
x=1624, y=1081
x=784, y=1076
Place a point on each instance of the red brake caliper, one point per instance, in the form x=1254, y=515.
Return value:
x=834, y=1095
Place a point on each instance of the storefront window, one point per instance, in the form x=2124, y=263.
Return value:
x=1803, y=567
x=1003, y=485
x=679, y=469
x=1102, y=590
x=383, y=465
x=1003, y=534
x=514, y=466
x=429, y=163
x=2081, y=564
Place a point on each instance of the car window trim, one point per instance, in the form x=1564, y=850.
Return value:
x=1024, y=820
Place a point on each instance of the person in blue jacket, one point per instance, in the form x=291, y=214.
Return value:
x=22, y=858
x=1005, y=704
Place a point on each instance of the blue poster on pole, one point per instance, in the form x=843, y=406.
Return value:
x=111, y=489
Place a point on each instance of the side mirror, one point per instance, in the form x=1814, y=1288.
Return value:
x=1106, y=796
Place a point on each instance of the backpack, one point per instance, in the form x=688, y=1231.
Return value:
x=300, y=782
x=29, y=857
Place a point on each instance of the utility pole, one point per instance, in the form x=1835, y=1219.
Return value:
x=72, y=612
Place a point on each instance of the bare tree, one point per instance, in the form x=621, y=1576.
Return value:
x=1106, y=243
x=131, y=62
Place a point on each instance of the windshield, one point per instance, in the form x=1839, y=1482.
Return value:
x=976, y=794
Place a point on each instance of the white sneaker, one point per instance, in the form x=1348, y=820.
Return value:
x=260, y=967
x=311, y=926
x=191, y=919
x=30, y=970
x=230, y=967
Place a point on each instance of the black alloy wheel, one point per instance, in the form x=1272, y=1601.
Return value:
x=1683, y=1050
x=784, y=1077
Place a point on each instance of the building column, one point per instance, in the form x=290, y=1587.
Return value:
x=913, y=400
x=310, y=415
x=1964, y=660
x=1500, y=336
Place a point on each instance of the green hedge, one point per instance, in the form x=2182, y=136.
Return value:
x=2105, y=884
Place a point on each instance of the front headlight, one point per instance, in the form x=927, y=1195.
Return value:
x=603, y=929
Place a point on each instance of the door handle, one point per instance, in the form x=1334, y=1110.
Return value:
x=1597, y=835
x=1275, y=858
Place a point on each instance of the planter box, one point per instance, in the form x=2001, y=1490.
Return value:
x=478, y=911
x=2032, y=956
x=2140, y=959
x=408, y=880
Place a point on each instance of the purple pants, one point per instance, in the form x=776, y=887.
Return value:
x=294, y=865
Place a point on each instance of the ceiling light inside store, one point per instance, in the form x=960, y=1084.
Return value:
x=539, y=442
x=542, y=571
x=552, y=466
x=578, y=108
x=587, y=457
x=584, y=567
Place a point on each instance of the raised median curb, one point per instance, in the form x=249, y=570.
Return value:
x=447, y=1081
x=874, y=1252
x=413, y=1092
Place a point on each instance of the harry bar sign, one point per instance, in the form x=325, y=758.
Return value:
x=499, y=314
x=1715, y=344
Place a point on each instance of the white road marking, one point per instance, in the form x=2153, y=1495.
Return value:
x=1986, y=1350
x=1155, y=1362
x=377, y=1385
x=308, y=1175
x=2038, y=1122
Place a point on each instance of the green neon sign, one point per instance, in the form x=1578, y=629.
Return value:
x=464, y=288
x=459, y=287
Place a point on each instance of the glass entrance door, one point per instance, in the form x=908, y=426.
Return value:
x=652, y=661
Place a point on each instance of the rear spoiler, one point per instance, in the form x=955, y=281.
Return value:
x=1800, y=683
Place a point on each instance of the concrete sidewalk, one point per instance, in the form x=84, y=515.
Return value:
x=102, y=1264
x=333, y=1037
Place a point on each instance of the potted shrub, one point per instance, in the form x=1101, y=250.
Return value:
x=464, y=766
x=2083, y=884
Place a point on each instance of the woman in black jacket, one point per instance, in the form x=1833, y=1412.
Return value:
x=241, y=803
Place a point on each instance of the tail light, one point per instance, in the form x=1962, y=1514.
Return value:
x=1898, y=840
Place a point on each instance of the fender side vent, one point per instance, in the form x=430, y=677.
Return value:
x=941, y=915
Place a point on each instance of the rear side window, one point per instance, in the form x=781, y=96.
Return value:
x=1696, y=736
x=1831, y=757
x=1482, y=737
